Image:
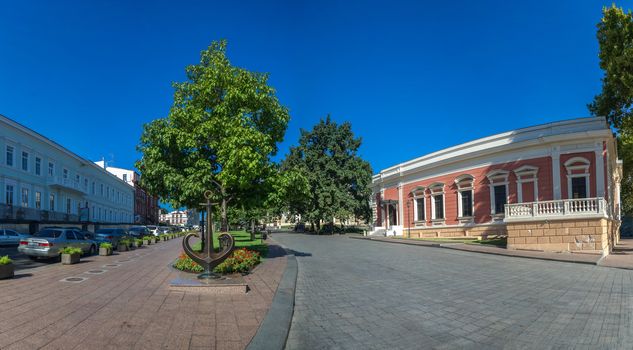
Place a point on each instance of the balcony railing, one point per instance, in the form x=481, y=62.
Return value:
x=66, y=183
x=557, y=209
x=17, y=213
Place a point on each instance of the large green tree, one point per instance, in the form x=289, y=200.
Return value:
x=332, y=179
x=615, y=101
x=221, y=131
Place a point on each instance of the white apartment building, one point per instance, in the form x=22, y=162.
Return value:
x=178, y=218
x=41, y=181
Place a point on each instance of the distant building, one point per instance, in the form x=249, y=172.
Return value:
x=43, y=182
x=145, y=205
x=176, y=218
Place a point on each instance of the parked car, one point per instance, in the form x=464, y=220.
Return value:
x=153, y=230
x=110, y=235
x=11, y=237
x=49, y=241
x=138, y=231
x=163, y=230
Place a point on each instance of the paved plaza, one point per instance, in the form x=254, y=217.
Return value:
x=124, y=302
x=356, y=294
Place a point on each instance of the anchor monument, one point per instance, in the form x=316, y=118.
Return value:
x=208, y=257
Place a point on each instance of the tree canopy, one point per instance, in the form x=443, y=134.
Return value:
x=220, y=133
x=325, y=177
x=615, y=37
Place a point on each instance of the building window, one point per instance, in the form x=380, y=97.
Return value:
x=65, y=174
x=9, y=195
x=579, y=187
x=51, y=169
x=68, y=206
x=38, y=166
x=38, y=200
x=25, y=161
x=577, y=177
x=419, y=209
x=125, y=177
x=93, y=187
x=465, y=198
x=25, y=197
x=51, y=202
x=498, y=191
x=500, y=199
x=527, y=184
x=77, y=179
x=437, y=203
x=101, y=190
x=10, y=151
x=86, y=185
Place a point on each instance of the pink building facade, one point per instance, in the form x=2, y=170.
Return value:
x=559, y=174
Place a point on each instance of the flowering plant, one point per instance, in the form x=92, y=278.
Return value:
x=242, y=260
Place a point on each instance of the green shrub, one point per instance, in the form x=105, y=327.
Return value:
x=70, y=250
x=184, y=263
x=106, y=245
x=139, y=242
x=5, y=260
x=147, y=238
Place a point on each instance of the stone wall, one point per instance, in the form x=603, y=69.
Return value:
x=587, y=235
x=457, y=231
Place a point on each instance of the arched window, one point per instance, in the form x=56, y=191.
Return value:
x=527, y=183
x=419, y=208
x=577, y=177
x=498, y=191
x=465, y=198
x=436, y=191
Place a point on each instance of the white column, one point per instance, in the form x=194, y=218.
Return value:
x=599, y=170
x=400, y=206
x=556, y=171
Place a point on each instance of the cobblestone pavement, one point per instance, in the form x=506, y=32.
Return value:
x=357, y=294
x=129, y=305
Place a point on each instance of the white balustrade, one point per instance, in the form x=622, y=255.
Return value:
x=588, y=207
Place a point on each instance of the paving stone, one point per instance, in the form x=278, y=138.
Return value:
x=376, y=295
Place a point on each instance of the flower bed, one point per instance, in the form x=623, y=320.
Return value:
x=242, y=261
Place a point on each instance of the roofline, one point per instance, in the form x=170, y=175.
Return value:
x=55, y=145
x=390, y=171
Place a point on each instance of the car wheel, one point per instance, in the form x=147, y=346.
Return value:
x=32, y=257
x=93, y=250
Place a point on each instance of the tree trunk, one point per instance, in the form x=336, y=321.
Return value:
x=252, y=229
x=318, y=227
x=224, y=227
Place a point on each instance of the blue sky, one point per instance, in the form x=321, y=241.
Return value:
x=411, y=76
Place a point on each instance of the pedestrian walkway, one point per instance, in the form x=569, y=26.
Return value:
x=622, y=256
x=477, y=248
x=123, y=301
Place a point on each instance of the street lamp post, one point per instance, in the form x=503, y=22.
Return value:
x=409, y=221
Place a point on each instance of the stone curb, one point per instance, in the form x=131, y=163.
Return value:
x=453, y=247
x=274, y=329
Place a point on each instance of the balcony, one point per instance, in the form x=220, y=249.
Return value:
x=66, y=184
x=20, y=214
x=557, y=210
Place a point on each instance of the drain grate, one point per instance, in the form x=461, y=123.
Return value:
x=74, y=279
x=96, y=272
x=111, y=265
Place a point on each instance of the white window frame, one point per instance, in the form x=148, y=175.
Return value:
x=51, y=168
x=459, y=183
x=419, y=193
x=497, y=177
x=38, y=195
x=6, y=193
x=6, y=153
x=526, y=174
x=25, y=191
x=51, y=201
x=434, y=193
x=584, y=166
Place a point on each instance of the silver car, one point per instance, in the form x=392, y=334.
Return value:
x=49, y=241
x=10, y=237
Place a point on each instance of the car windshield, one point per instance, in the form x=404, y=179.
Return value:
x=48, y=234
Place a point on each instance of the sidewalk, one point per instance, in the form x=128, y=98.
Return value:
x=530, y=254
x=622, y=256
x=125, y=303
